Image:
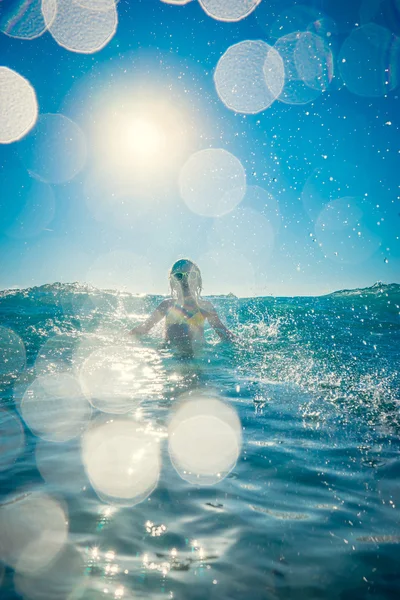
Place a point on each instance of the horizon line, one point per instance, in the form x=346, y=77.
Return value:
x=230, y=294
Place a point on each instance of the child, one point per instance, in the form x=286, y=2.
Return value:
x=186, y=312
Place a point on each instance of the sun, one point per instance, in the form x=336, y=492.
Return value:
x=141, y=138
x=136, y=140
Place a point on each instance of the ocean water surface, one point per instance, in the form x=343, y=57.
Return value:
x=301, y=500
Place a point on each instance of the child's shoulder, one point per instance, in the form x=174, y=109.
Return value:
x=166, y=305
x=205, y=305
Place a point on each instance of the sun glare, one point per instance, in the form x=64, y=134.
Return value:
x=139, y=138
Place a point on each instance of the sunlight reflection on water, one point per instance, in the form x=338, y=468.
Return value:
x=122, y=461
x=33, y=530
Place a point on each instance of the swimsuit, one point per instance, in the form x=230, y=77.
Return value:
x=188, y=322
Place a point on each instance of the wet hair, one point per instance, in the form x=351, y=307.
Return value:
x=195, y=282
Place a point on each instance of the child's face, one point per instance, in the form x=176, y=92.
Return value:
x=182, y=277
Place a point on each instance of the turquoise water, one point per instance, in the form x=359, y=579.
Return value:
x=308, y=510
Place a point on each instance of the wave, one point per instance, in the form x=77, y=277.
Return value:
x=54, y=289
x=378, y=289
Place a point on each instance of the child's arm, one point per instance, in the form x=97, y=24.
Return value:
x=217, y=324
x=158, y=314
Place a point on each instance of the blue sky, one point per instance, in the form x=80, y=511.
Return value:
x=321, y=211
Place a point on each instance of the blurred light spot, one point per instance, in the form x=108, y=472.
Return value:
x=212, y=182
x=55, y=408
x=262, y=201
x=295, y=18
x=204, y=440
x=85, y=347
x=91, y=307
x=229, y=10
x=340, y=214
x=33, y=530
x=176, y=2
x=335, y=180
x=56, y=150
x=23, y=19
x=296, y=90
x=314, y=61
x=97, y=5
x=55, y=355
x=324, y=26
x=122, y=461
x=139, y=134
x=121, y=204
x=26, y=205
x=369, y=61
x=19, y=107
x=36, y=213
x=144, y=139
x=120, y=269
x=21, y=385
x=79, y=28
x=12, y=355
x=61, y=580
x=247, y=232
x=225, y=270
x=61, y=466
x=341, y=234
x=12, y=439
x=94, y=588
x=249, y=76
x=116, y=378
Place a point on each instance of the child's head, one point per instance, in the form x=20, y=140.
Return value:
x=185, y=276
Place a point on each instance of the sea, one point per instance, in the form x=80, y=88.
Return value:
x=264, y=469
